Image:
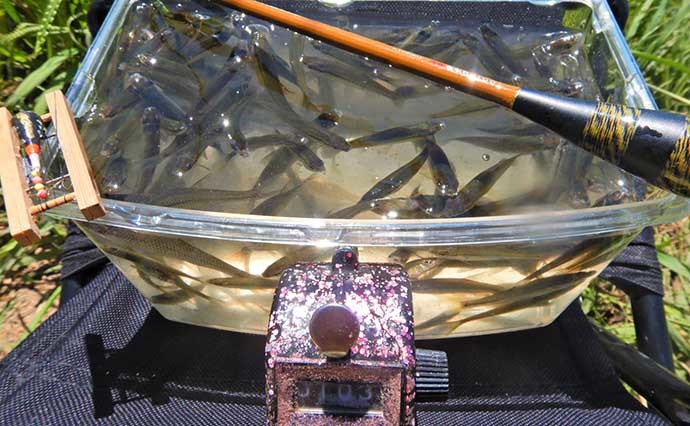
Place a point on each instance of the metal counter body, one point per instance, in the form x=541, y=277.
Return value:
x=375, y=383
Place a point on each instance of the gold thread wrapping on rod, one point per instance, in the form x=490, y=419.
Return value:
x=676, y=173
x=609, y=131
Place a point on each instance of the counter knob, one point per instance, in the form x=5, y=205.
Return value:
x=334, y=329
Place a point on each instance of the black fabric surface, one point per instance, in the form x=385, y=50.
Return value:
x=79, y=253
x=637, y=266
x=108, y=358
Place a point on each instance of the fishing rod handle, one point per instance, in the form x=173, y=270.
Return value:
x=653, y=145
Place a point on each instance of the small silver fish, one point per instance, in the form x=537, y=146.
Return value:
x=533, y=288
x=399, y=177
x=465, y=108
x=398, y=134
x=468, y=196
x=582, y=252
x=501, y=49
x=151, y=93
x=523, y=302
x=171, y=298
x=352, y=75
x=611, y=199
x=302, y=254
x=243, y=282
x=441, y=169
x=173, y=247
x=274, y=204
x=453, y=285
x=115, y=175
x=400, y=255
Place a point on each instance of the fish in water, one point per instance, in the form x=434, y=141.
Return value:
x=173, y=247
x=148, y=269
x=270, y=61
x=235, y=136
x=279, y=162
x=512, y=145
x=355, y=76
x=418, y=36
x=453, y=285
x=112, y=146
x=115, y=175
x=151, y=124
x=299, y=146
x=489, y=60
x=327, y=119
x=375, y=69
x=400, y=255
x=518, y=129
x=218, y=84
x=244, y=282
x=274, y=204
x=156, y=269
x=441, y=169
x=154, y=96
x=465, y=108
x=302, y=254
x=284, y=111
x=390, y=208
x=582, y=252
x=565, y=43
x=295, y=56
x=171, y=298
x=238, y=86
x=501, y=49
x=158, y=67
x=397, y=178
x=509, y=204
x=193, y=198
x=533, y=288
x=427, y=267
x=513, y=299
x=398, y=134
x=283, y=158
x=611, y=199
x=307, y=157
x=528, y=299
x=468, y=196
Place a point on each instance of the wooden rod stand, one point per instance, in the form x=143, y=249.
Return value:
x=21, y=212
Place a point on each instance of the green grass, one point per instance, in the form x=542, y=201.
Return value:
x=659, y=36
x=43, y=41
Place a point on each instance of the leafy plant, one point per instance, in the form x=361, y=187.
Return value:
x=658, y=35
x=41, y=45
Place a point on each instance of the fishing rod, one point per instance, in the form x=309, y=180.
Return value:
x=650, y=144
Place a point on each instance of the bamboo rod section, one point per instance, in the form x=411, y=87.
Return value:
x=40, y=208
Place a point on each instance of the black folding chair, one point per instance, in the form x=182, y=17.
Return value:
x=107, y=358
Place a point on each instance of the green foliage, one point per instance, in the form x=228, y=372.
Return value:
x=41, y=45
x=659, y=35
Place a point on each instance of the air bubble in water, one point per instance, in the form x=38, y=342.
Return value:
x=486, y=157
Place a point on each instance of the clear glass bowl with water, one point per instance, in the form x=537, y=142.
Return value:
x=227, y=149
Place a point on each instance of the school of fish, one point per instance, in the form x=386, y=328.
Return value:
x=201, y=107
